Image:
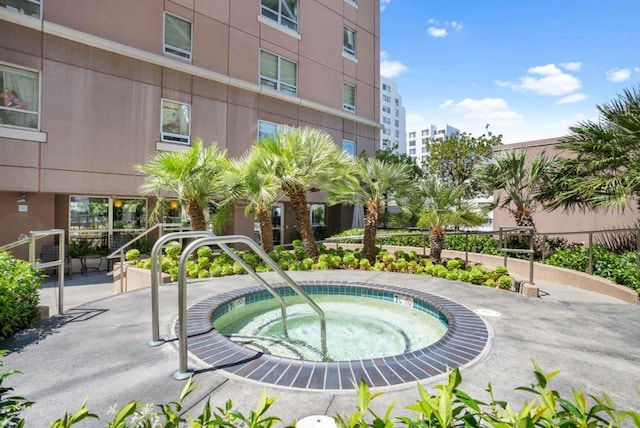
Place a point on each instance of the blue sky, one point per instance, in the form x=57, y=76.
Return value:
x=528, y=68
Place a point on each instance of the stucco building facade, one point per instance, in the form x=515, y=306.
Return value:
x=92, y=88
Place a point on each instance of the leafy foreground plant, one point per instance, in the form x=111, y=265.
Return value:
x=448, y=406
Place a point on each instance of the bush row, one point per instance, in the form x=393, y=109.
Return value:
x=618, y=266
x=210, y=264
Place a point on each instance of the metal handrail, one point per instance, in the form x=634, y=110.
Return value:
x=34, y=235
x=184, y=372
x=504, y=231
x=120, y=251
x=156, y=254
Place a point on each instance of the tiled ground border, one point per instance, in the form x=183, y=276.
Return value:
x=463, y=342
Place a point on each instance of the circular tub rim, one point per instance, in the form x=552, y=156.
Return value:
x=464, y=343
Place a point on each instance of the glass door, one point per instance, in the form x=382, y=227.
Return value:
x=277, y=222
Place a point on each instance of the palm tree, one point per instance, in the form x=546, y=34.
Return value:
x=373, y=181
x=304, y=160
x=522, y=182
x=252, y=178
x=193, y=176
x=604, y=169
x=445, y=207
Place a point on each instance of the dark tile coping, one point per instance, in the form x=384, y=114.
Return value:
x=462, y=344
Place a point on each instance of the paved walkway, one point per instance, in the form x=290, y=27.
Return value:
x=98, y=350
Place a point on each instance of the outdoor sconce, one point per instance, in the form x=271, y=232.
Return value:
x=174, y=205
x=117, y=203
x=22, y=199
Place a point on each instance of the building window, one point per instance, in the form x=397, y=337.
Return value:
x=269, y=128
x=317, y=214
x=412, y=151
x=397, y=122
x=19, y=99
x=349, y=147
x=349, y=97
x=386, y=120
x=175, y=122
x=397, y=102
x=386, y=109
x=177, y=36
x=278, y=73
x=284, y=12
x=129, y=214
x=424, y=140
x=397, y=113
x=349, y=41
x=384, y=86
x=412, y=135
x=386, y=131
x=412, y=143
x=425, y=132
x=26, y=7
x=386, y=98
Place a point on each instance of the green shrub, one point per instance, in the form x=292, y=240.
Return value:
x=19, y=286
x=504, y=282
x=447, y=406
x=132, y=255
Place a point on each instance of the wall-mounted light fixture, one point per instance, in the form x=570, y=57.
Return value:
x=174, y=205
x=117, y=203
x=22, y=199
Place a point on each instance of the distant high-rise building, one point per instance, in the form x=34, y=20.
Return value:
x=419, y=140
x=392, y=116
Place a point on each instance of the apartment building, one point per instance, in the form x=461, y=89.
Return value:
x=392, y=116
x=90, y=89
x=420, y=140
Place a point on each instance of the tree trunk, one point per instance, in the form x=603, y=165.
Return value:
x=196, y=215
x=266, y=228
x=303, y=221
x=370, y=230
x=436, y=242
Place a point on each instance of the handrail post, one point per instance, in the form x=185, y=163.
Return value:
x=531, y=247
x=61, y=259
x=544, y=241
x=590, y=267
x=466, y=247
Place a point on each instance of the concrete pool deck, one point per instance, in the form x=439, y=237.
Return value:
x=98, y=350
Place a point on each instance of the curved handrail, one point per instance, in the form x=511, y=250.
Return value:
x=156, y=272
x=184, y=372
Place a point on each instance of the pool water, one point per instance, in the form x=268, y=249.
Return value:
x=357, y=327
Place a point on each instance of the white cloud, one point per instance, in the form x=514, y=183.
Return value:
x=415, y=120
x=572, y=66
x=457, y=25
x=383, y=4
x=389, y=68
x=545, y=80
x=618, y=75
x=573, y=98
x=487, y=110
x=636, y=69
x=440, y=29
x=437, y=32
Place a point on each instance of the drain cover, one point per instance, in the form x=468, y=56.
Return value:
x=486, y=312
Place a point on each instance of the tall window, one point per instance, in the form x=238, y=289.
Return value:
x=177, y=36
x=175, y=122
x=349, y=147
x=27, y=7
x=349, y=41
x=284, y=12
x=425, y=132
x=349, y=97
x=278, y=73
x=317, y=213
x=19, y=97
x=386, y=98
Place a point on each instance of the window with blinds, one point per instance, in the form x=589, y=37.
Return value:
x=177, y=36
x=349, y=41
x=278, y=73
x=349, y=97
